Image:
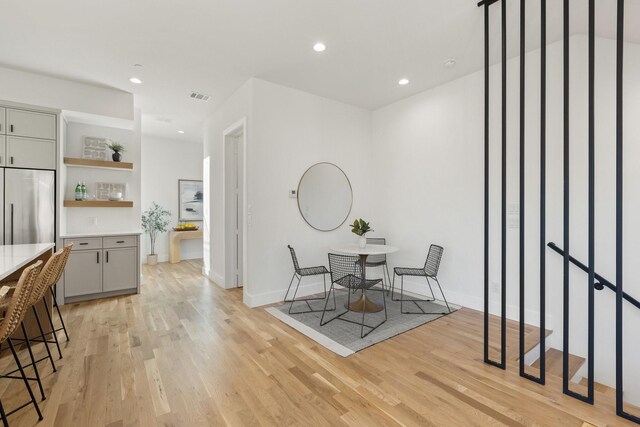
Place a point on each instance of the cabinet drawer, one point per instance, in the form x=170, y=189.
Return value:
x=118, y=242
x=31, y=153
x=84, y=243
x=31, y=124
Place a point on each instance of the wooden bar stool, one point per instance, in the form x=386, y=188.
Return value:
x=61, y=258
x=14, y=316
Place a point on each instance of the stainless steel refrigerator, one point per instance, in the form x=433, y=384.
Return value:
x=29, y=206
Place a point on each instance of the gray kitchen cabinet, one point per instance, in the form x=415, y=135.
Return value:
x=3, y=144
x=83, y=274
x=120, y=269
x=3, y=127
x=102, y=266
x=31, y=124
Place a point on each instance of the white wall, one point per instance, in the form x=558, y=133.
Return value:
x=165, y=162
x=46, y=91
x=79, y=220
x=432, y=146
x=288, y=131
x=237, y=107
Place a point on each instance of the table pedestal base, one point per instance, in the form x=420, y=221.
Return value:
x=369, y=306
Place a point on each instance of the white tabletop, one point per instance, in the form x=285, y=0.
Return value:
x=14, y=257
x=355, y=249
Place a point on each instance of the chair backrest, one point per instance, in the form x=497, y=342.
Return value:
x=19, y=302
x=372, y=259
x=342, y=266
x=432, y=264
x=62, y=263
x=294, y=258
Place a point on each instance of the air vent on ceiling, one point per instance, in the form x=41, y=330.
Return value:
x=199, y=96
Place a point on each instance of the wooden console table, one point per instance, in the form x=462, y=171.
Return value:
x=174, y=242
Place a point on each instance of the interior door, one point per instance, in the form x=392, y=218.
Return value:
x=29, y=214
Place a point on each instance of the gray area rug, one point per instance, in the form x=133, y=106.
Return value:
x=343, y=337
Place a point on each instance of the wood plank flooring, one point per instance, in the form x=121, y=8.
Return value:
x=186, y=353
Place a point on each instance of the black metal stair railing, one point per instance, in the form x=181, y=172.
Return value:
x=600, y=282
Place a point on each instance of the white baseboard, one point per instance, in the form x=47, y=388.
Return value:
x=215, y=278
x=265, y=298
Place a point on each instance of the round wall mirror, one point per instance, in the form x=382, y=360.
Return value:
x=324, y=196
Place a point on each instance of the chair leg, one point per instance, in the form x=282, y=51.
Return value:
x=429, y=283
x=55, y=304
x=386, y=269
x=33, y=360
x=53, y=328
x=289, y=288
x=24, y=379
x=364, y=296
x=294, y=294
x=326, y=302
x=44, y=338
x=443, y=297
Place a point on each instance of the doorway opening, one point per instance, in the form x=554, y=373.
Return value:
x=234, y=205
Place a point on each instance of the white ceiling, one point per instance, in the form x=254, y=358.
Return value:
x=213, y=46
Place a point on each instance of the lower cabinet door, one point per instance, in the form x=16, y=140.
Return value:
x=120, y=269
x=83, y=274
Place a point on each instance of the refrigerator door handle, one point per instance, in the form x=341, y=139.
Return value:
x=12, y=223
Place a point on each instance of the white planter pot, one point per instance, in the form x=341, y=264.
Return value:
x=362, y=242
x=152, y=259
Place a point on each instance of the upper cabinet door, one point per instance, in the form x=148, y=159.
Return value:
x=30, y=153
x=3, y=127
x=31, y=124
x=3, y=146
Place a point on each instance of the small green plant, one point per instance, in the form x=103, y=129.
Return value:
x=116, y=147
x=360, y=227
x=155, y=220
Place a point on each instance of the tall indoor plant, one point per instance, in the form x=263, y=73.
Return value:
x=154, y=220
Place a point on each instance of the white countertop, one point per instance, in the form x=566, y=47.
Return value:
x=355, y=249
x=14, y=257
x=100, y=234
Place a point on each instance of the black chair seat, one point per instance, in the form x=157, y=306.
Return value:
x=405, y=271
x=355, y=282
x=313, y=271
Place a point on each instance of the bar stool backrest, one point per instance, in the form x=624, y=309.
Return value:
x=47, y=274
x=19, y=302
x=62, y=264
x=432, y=264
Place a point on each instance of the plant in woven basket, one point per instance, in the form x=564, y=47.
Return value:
x=155, y=220
x=360, y=227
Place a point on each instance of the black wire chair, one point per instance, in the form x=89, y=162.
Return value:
x=346, y=271
x=379, y=261
x=429, y=271
x=299, y=273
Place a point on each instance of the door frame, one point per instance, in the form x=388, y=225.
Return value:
x=238, y=126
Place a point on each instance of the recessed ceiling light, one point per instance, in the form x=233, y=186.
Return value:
x=180, y=131
x=319, y=47
x=135, y=80
x=450, y=63
x=403, y=82
x=137, y=65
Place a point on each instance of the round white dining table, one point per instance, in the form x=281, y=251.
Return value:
x=364, y=304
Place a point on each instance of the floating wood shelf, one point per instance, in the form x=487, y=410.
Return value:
x=87, y=163
x=98, y=204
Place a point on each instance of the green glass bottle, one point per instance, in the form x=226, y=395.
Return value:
x=78, y=192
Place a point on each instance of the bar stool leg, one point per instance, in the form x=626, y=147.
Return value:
x=5, y=423
x=44, y=338
x=33, y=360
x=55, y=304
x=24, y=378
x=53, y=328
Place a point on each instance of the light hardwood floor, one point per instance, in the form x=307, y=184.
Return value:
x=187, y=353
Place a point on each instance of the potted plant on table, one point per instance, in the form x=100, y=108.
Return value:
x=360, y=227
x=154, y=220
x=117, y=149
